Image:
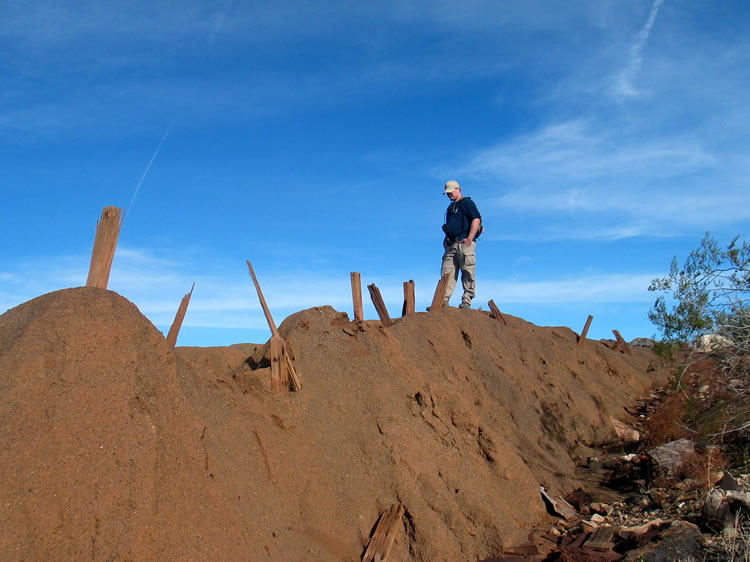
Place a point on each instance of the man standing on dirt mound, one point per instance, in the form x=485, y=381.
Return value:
x=463, y=225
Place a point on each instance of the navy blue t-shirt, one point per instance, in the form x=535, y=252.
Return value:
x=458, y=218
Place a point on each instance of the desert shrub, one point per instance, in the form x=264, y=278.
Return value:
x=708, y=294
x=703, y=467
x=667, y=423
x=666, y=350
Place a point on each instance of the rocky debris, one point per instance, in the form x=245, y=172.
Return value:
x=642, y=342
x=711, y=342
x=680, y=541
x=671, y=455
x=659, y=515
x=728, y=482
x=663, y=510
x=624, y=432
x=647, y=524
x=723, y=507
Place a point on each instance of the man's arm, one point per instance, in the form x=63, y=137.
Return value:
x=472, y=231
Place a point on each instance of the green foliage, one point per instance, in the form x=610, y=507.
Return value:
x=708, y=294
x=666, y=350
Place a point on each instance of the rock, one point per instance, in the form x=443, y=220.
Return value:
x=624, y=432
x=680, y=541
x=671, y=455
x=578, y=498
x=588, y=526
x=601, y=508
x=711, y=342
x=721, y=507
x=736, y=384
x=727, y=482
x=641, y=342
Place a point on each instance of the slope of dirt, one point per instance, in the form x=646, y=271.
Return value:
x=100, y=457
x=113, y=444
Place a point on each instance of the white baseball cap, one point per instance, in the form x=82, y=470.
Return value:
x=450, y=185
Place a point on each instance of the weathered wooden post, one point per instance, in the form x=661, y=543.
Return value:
x=585, y=330
x=496, y=312
x=439, y=296
x=284, y=376
x=174, y=331
x=105, y=244
x=377, y=301
x=408, y=298
x=621, y=343
x=357, y=296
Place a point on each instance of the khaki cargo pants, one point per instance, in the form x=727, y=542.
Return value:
x=459, y=257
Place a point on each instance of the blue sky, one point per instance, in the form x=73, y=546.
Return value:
x=598, y=138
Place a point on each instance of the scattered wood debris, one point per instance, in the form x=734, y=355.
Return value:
x=559, y=505
x=382, y=539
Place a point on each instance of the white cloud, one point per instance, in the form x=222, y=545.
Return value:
x=592, y=289
x=228, y=299
x=576, y=151
x=624, y=184
x=624, y=85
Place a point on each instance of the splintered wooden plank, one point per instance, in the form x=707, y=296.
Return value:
x=439, y=296
x=269, y=318
x=601, y=539
x=179, y=317
x=291, y=373
x=377, y=301
x=621, y=342
x=384, y=535
x=408, y=298
x=496, y=312
x=276, y=353
x=560, y=506
x=582, y=337
x=105, y=244
x=283, y=374
x=357, y=296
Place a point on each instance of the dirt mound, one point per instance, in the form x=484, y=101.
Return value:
x=115, y=444
x=100, y=457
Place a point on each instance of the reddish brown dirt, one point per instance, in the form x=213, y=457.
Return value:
x=116, y=447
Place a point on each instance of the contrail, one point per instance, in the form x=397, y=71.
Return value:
x=148, y=167
x=636, y=53
x=218, y=24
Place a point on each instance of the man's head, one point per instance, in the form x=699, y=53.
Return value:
x=453, y=190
